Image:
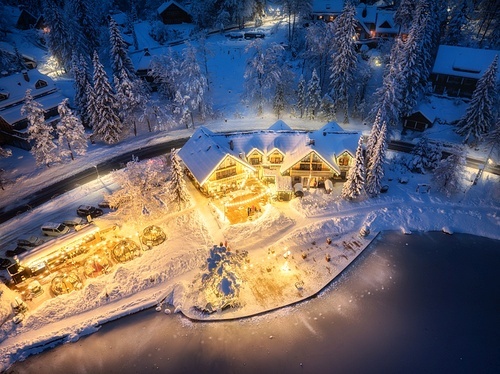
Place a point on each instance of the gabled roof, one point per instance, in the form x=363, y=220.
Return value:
x=168, y=4
x=17, y=84
x=205, y=150
x=464, y=62
x=385, y=23
x=279, y=125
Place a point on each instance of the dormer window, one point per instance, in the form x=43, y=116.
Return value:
x=40, y=83
x=4, y=96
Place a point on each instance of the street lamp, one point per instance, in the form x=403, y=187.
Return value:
x=97, y=172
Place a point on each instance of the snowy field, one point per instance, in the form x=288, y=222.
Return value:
x=165, y=274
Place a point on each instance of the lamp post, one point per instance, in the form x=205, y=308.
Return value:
x=97, y=172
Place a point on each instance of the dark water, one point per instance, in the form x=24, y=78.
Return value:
x=423, y=303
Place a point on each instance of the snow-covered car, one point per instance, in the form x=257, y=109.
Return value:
x=18, y=318
x=30, y=241
x=87, y=210
x=75, y=221
x=54, y=229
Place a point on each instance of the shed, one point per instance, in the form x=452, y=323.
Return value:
x=171, y=13
x=418, y=121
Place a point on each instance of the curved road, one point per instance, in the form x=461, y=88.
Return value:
x=118, y=162
x=75, y=180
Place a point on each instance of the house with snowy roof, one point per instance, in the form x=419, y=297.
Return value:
x=279, y=155
x=373, y=20
x=13, y=124
x=456, y=70
x=171, y=12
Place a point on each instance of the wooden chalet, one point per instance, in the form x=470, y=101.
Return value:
x=456, y=70
x=279, y=156
x=171, y=12
x=13, y=124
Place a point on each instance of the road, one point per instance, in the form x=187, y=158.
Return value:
x=118, y=162
x=75, y=180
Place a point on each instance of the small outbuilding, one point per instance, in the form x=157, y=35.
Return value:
x=418, y=121
x=172, y=13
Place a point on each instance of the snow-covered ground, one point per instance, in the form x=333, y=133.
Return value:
x=166, y=273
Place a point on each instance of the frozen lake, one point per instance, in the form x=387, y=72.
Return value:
x=426, y=302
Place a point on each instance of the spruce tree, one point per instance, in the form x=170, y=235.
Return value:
x=344, y=59
x=82, y=80
x=480, y=114
x=375, y=169
x=40, y=134
x=106, y=122
x=301, y=96
x=355, y=183
x=71, y=133
x=313, y=95
x=328, y=107
x=279, y=100
x=177, y=186
x=449, y=172
x=373, y=137
x=118, y=51
x=58, y=39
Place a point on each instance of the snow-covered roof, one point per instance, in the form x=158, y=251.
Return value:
x=205, y=150
x=13, y=114
x=142, y=59
x=327, y=6
x=366, y=13
x=14, y=86
x=166, y=4
x=279, y=125
x=120, y=18
x=464, y=62
x=385, y=22
x=446, y=110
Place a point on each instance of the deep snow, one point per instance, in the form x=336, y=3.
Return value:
x=166, y=272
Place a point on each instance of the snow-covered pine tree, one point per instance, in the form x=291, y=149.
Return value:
x=40, y=134
x=165, y=73
x=375, y=168
x=71, y=134
x=177, y=186
x=131, y=97
x=120, y=61
x=373, y=137
x=59, y=38
x=404, y=13
x=193, y=83
x=448, y=174
x=106, y=123
x=85, y=20
x=81, y=77
x=279, y=100
x=419, y=161
x=313, y=95
x=388, y=103
x=265, y=68
x=319, y=37
x=480, y=114
x=301, y=96
x=328, y=107
x=457, y=23
x=344, y=59
x=355, y=183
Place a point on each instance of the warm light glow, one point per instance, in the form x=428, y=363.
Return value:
x=285, y=268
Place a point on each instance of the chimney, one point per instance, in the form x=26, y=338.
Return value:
x=231, y=145
x=25, y=75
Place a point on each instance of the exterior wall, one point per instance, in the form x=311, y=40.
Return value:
x=228, y=175
x=174, y=15
x=310, y=171
x=453, y=85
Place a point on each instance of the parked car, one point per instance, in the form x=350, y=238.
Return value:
x=30, y=241
x=15, y=252
x=5, y=263
x=75, y=221
x=54, y=229
x=87, y=210
x=254, y=35
x=384, y=188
